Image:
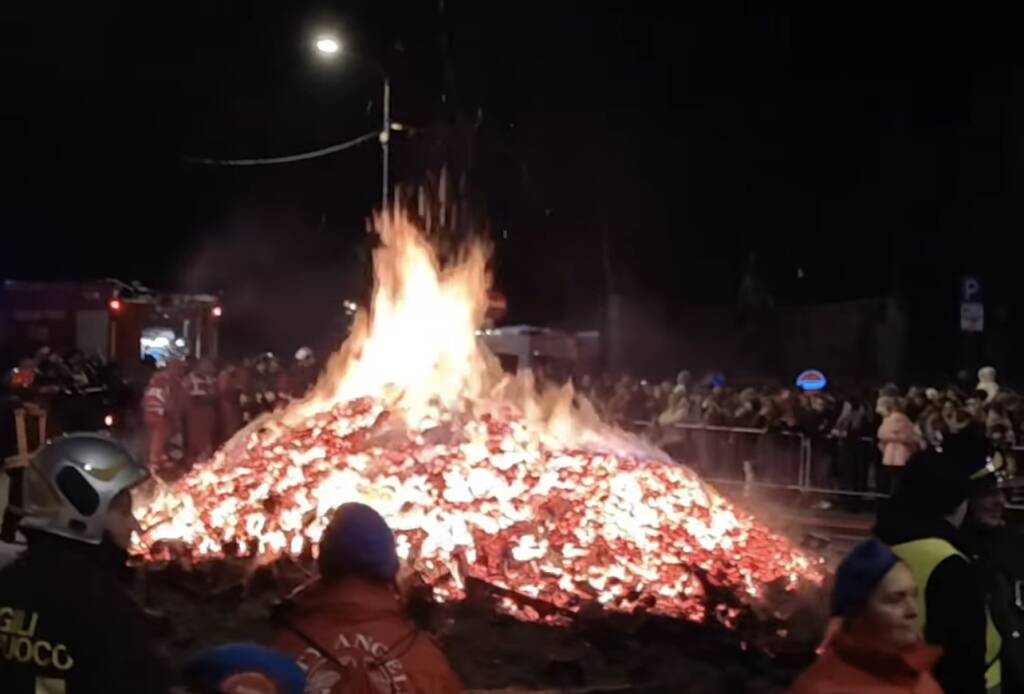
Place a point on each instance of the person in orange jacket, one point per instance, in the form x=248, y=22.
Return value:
x=229, y=401
x=874, y=645
x=161, y=408
x=348, y=631
x=200, y=410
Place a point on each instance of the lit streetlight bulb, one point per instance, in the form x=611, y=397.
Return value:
x=327, y=45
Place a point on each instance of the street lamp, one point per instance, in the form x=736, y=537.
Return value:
x=328, y=46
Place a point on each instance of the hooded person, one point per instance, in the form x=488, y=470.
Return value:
x=680, y=390
x=66, y=621
x=921, y=523
x=347, y=630
x=874, y=645
x=987, y=383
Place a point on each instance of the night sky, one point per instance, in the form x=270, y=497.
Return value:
x=602, y=146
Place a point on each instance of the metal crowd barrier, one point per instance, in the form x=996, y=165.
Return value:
x=783, y=459
x=736, y=455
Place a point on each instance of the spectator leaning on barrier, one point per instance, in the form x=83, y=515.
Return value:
x=874, y=644
x=921, y=523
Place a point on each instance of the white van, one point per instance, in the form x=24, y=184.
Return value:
x=544, y=351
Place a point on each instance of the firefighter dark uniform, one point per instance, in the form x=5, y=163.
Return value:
x=303, y=374
x=200, y=414
x=996, y=548
x=263, y=386
x=247, y=393
x=229, y=402
x=67, y=626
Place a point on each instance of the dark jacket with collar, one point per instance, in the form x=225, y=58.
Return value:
x=65, y=617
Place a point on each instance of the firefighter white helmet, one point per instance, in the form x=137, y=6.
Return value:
x=70, y=484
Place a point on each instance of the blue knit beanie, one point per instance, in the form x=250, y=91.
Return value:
x=210, y=668
x=358, y=540
x=858, y=575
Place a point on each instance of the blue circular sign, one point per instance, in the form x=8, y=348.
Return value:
x=811, y=380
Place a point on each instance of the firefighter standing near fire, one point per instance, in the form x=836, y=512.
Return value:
x=247, y=390
x=304, y=372
x=161, y=410
x=274, y=396
x=348, y=631
x=295, y=381
x=200, y=410
x=66, y=622
x=229, y=401
x=263, y=385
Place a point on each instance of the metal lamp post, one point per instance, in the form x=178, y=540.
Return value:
x=329, y=46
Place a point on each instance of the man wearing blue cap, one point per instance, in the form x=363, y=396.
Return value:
x=348, y=631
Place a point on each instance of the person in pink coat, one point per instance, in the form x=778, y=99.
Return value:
x=897, y=440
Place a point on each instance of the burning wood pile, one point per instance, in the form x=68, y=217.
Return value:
x=483, y=478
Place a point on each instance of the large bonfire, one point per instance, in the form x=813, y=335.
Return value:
x=479, y=474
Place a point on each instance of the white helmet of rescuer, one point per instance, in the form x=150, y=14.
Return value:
x=70, y=484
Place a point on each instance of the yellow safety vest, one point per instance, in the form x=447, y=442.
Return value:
x=921, y=557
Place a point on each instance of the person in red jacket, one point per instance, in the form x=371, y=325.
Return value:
x=161, y=408
x=348, y=631
x=229, y=401
x=874, y=644
x=200, y=411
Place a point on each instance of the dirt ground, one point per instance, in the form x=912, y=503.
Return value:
x=597, y=652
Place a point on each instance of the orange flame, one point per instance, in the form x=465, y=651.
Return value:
x=478, y=475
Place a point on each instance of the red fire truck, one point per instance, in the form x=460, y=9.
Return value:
x=120, y=322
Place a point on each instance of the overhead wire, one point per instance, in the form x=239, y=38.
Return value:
x=287, y=159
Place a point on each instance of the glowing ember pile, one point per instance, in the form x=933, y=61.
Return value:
x=478, y=474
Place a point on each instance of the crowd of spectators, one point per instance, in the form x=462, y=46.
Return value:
x=854, y=430
x=861, y=436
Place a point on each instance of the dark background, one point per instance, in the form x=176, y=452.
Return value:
x=602, y=146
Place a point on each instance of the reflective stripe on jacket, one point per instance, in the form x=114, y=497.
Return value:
x=922, y=557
